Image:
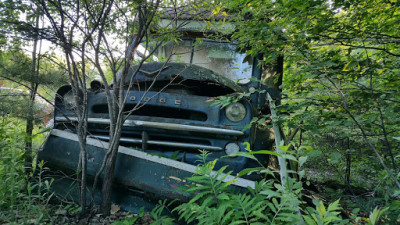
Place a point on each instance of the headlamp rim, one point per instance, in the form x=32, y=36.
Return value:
x=229, y=116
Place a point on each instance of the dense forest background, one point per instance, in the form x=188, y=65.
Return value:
x=339, y=112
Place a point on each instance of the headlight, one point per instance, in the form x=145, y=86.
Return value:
x=232, y=148
x=69, y=100
x=235, y=112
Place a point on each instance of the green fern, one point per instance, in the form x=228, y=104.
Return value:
x=158, y=213
x=208, y=190
x=322, y=215
x=216, y=202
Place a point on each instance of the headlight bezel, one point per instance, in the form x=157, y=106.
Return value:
x=236, y=112
x=231, y=148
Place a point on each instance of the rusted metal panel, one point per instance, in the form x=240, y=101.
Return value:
x=154, y=176
x=140, y=178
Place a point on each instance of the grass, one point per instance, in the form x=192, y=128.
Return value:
x=21, y=201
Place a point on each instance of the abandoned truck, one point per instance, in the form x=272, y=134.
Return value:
x=177, y=117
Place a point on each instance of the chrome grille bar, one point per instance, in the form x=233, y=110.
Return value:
x=161, y=143
x=161, y=125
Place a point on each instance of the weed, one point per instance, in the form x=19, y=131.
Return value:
x=21, y=201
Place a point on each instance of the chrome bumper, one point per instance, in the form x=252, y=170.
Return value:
x=160, y=143
x=160, y=125
x=65, y=155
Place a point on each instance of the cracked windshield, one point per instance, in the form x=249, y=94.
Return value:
x=220, y=57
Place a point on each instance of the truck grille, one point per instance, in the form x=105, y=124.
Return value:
x=157, y=111
x=149, y=140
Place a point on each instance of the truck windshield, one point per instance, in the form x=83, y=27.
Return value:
x=220, y=57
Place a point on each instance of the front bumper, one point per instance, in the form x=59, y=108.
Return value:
x=137, y=172
x=161, y=125
x=144, y=140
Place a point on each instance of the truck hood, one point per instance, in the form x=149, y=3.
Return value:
x=187, y=75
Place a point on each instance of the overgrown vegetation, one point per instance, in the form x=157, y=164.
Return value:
x=340, y=90
x=21, y=201
x=340, y=97
x=217, y=202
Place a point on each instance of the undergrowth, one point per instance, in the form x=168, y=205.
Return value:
x=216, y=202
x=21, y=201
x=268, y=202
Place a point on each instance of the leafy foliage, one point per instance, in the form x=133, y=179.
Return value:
x=323, y=215
x=216, y=202
x=15, y=78
x=340, y=84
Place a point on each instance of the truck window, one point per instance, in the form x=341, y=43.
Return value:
x=220, y=57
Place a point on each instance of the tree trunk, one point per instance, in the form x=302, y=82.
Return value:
x=348, y=163
x=30, y=117
x=82, y=130
x=109, y=176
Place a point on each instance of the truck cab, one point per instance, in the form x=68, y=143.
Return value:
x=173, y=104
x=173, y=109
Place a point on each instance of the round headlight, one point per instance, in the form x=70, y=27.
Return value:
x=69, y=100
x=235, y=112
x=232, y=148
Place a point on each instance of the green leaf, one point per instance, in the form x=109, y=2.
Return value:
x=302, y=160
x=356, y=210
x=265, y=152
x=381, y=71
x=334, y=206
x=290, y=157
x=284, y=148
x=247, y=144
x=270, y=193
x=249, y=171
x=223, y=196
x=334, y=157
x=376, y=215
x=309, y=220
x=244, y=154
x=350, y=65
